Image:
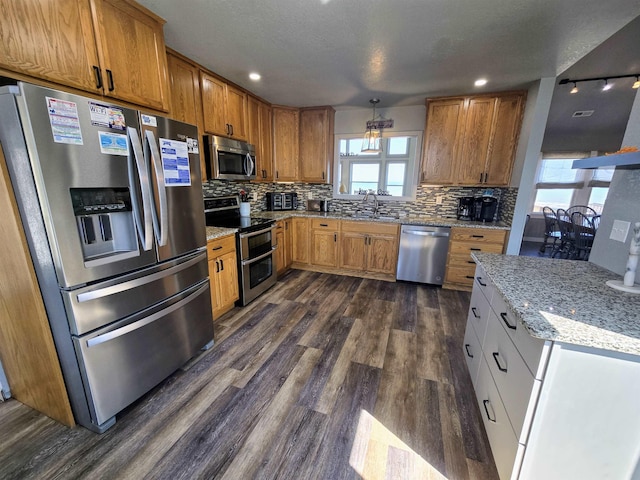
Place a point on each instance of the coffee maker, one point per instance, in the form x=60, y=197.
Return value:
x=465, y=208
x=484, y=208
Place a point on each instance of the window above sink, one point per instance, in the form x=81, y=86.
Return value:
x=391, y=174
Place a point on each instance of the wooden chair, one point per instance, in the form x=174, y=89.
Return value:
x=551, y=230
x=584, y=209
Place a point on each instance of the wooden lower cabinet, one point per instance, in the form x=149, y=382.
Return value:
x=300, y=241
x=223, y=274
x=284, y=249
x=369, y=247
x=463, y=242
x=324, y=242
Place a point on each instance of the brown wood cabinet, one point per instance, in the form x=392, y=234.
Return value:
x=284, y=249
x=463, y=241
x=224, y=108
x=472, y=140
x=324, y=242
x=285, y=143
x=316, y=144
x=300, y=240
x=110, y=47
x=223, y=274
x=369, y=247
x=260, y=131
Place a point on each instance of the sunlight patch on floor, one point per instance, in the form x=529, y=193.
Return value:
x=377, y=454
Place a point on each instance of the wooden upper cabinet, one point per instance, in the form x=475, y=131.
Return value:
x=132, y=53
x=259, y=134
x=472, y=140
x=285, y=143
x=50, y=40
x=316, y=144
x=185, y=90
x=444, y=123
x=224, y=108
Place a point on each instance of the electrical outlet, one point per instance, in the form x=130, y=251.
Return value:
x=620, y=230
x=439, y=200
x=310, y=196
x=255, y=196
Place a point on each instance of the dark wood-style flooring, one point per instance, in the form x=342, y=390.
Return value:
x=323, y=377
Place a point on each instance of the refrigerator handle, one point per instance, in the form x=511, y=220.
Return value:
x=143, y=225
x=162, y=229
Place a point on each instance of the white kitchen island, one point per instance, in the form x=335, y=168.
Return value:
x=554, y=356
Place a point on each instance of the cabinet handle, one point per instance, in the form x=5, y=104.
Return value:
x=335, y=237
x=277, y=174
x=231, y=127
x=469, y=276
x=471, y=262
x=477, y=236
x=221, y=264
x=110, y=81
x=480, y=181
x=485, y=402
x=324, y=224
x=503, y=315
x=473, y=249
x=486, y=175
x=98, y=73
x=475, y=314
x=479, y=279
x=219, y=247
x=323, y=175
x=217, y=266
x=466, y=347
x=500, y=367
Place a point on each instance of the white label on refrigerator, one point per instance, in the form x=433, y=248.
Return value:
x=106, y=116
x=149, y=120
x=113, y=143
x=192, y=144
x=175, y=163
x=65, y=123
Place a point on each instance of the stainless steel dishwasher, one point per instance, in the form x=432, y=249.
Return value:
x=423, y=254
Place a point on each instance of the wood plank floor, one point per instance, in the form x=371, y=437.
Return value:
x=323, y=377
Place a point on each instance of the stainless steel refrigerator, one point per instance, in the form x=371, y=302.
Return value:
x=111, y=203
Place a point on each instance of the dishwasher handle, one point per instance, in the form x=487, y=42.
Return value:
x=424, y=233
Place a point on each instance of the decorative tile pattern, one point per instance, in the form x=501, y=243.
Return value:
x=566, y=301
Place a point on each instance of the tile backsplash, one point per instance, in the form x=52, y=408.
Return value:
x=425, y=203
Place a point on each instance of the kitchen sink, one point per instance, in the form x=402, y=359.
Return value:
x=374, y=216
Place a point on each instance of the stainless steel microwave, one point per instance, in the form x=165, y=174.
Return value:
x=228, y=159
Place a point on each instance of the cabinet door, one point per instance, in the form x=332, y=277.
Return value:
x=353, y=254
x=300, y=234
x=504, y=139
x=236, y=109
x=287, y=243
x=50, y=40
x=213, y=104
x=285, y=144
x=185, y=90
x=316, y=144
x=132, y=53
x=280, y=251
x=259, y=134
x=324, y=248
x=228, y=279
x=444, y=124
x=382, y=254
x=214, y=269
x=474, y=145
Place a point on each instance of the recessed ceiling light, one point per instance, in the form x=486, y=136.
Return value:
x=606, y=86
x=481, y=82
x=254, y=76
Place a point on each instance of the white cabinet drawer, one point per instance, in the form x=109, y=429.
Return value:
x=504, y=444
x=478, y=316
x=530, y=348
x=481, y=281
x=511, y=375
x=472, y=352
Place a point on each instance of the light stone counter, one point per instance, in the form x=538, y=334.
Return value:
x=566, y=301
x=217, y=232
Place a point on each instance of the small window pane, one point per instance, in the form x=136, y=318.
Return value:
x=554, y=198
x=395, y=190
x=557, y=171
x=399, y=146
x=597, y=198
x=395, y=178
x=364, y=176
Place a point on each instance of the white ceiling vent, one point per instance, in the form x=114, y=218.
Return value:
x=582, y=113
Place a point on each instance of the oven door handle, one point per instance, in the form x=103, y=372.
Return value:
x=253, y=260
x=259, y=232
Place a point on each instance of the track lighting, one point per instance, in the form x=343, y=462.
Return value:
x=607, y=85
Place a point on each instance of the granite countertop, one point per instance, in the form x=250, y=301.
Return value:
x=567, y=301
x=217, y=232
x=409, y=220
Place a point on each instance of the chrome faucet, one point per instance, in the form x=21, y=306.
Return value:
x=375, y=201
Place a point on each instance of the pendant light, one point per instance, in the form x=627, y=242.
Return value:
x=371, y=140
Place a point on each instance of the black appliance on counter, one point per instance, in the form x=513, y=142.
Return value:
x=255, y=244
x=282, y=201
x=465, y=208
x=484, y=209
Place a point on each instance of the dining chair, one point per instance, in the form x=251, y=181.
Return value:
x=584, y=209
x=583, y=235
x=551, y=230
x=565, y=247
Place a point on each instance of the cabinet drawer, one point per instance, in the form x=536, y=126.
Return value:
x=479, y=310
x=530, y=348
x=325, y=224
x=503, y=441
x=478, y=235
x=371, y=228
x=221, y=246
x=469, y=247
x=460, y=275
x=472, y=351
x=461, y=260
x=482, y=282
x=511, y=375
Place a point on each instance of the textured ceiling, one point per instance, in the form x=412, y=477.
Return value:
x=343, y=52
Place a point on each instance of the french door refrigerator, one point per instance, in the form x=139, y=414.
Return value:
x=111, y=203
